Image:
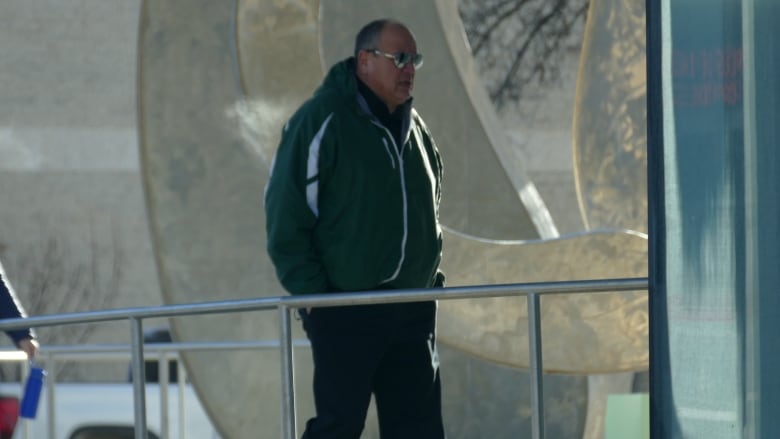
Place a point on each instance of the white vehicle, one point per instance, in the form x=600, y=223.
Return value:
x=107, y=410
x=104, y=411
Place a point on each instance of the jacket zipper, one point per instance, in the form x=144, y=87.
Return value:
x=398, y=155
x=387, y=148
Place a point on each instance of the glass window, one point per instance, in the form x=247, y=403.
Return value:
x=714, y=246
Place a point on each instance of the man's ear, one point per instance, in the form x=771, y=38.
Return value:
x=362, y=61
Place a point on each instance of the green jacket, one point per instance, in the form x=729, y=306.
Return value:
x=345, y=211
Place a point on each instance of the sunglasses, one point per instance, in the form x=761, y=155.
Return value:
x=401, y=59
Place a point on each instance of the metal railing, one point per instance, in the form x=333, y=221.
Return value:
x=283, y=305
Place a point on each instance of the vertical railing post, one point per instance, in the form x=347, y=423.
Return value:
x=50, y=410
x=536, y=369
x=288, y=375
x=25, y=424
x=139, y=377
x=164, y=380
x=182, y=381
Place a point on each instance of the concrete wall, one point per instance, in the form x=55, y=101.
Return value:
x=70, y=187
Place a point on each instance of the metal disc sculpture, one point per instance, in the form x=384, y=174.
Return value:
x=215, y=85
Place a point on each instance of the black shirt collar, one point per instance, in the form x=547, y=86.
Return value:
x=396, y=122
x=376, y=105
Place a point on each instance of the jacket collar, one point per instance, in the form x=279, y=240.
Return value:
x=371, y=104
x=342, y=77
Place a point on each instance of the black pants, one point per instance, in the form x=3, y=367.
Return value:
x=387, y=350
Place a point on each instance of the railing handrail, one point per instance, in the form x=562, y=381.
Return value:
x=152, y=350
x=283, y=304
x=330, y=299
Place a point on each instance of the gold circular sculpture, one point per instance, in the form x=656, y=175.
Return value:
x=582, y=334
x=610, y=117
x=216, y=83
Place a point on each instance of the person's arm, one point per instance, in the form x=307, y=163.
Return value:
x=291, y=207
x=9, y=308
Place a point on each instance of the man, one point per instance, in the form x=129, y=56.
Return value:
x=352, y=205
x=10, y=309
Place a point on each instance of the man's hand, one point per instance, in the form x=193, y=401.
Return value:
x=29, y=346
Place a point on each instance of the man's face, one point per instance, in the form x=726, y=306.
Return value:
x=391, y=84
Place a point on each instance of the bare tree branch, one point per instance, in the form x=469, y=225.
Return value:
x=520, y=43
x=497, y=21
x=54, y=276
